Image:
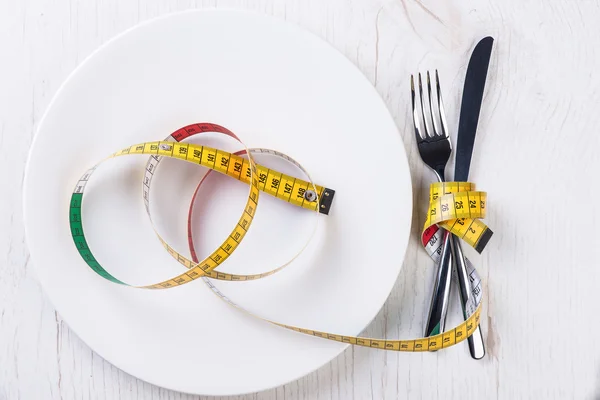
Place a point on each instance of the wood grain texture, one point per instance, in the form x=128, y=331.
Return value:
x=535, y=153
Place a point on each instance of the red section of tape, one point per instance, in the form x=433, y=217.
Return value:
x=428, y=234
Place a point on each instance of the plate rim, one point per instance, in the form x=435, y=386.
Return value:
x=222, y=10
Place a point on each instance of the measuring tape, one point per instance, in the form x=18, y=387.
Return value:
x=456, y=207
x=298, y=192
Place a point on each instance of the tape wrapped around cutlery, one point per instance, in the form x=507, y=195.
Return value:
x=456, y=207
x=297, y=192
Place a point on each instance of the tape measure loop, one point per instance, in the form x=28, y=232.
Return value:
x=456, y=207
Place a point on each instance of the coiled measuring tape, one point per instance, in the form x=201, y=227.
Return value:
x=456, y=207
x=297, y=192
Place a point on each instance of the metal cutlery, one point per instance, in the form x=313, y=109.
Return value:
x=435, y=149
x=467, y=129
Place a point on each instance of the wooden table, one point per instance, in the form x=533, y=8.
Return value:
x=537, y=143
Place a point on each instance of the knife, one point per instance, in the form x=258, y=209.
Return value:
x=467, y=128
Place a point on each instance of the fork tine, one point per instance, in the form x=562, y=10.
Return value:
x=434, y=120
x=425, y=122
x=415, y=116
x=441, y=105
x=416, y=122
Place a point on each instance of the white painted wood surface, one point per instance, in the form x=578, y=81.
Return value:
x=534, y=155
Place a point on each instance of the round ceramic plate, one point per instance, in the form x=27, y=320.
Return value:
x=276, y=86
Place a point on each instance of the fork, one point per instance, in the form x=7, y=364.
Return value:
x=435, y=149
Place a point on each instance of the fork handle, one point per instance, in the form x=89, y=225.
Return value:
x=441, y=291
x=476, y=346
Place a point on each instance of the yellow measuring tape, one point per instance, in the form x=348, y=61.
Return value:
x=452, y=199
x=457, y=207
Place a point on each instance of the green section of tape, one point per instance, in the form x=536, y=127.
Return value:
x=81, y=243
x=435, y=331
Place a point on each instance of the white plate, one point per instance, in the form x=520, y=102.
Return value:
x=276, y=86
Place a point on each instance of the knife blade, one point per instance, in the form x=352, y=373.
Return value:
x=467, y=128
x=471, y=106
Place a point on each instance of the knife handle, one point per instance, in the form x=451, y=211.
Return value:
x=441, y=291
x=476, y=346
